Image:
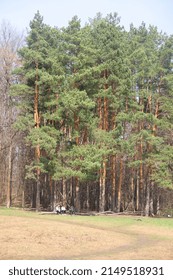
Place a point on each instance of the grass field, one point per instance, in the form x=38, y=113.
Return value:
x=29, y=235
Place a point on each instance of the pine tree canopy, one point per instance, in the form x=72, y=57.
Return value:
x=96, y=105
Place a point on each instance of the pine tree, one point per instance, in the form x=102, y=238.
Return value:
x=112, y=98
x=147, y=85
x=95, y=105
x=37, y=72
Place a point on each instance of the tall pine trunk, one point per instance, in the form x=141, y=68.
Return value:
x=147, y=200
x=77, y=185
x=77, y=198
x=102, y=187
x=103, y=124
x=64, y=192
x=132, y=190
x=37, y=149
x=51, y=186
x=137, y=192
x=120, y=186
x=113, y=183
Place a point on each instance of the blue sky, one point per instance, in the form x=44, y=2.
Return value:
x=59, y=12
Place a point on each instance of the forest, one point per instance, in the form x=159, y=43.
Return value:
x=86, y=117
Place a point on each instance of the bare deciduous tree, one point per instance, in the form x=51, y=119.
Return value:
x=10, y=42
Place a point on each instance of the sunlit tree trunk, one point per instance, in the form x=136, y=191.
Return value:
x=132, y=189
x=104, y=125
x=147, y=198
x=113, y=182
x=77, y=185
x=141, y=191
x=102, y=187
x=37, y=149
x=151, y=206
x=137, y=191
x=120, y=186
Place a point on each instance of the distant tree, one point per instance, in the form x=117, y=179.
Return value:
x=10, y=42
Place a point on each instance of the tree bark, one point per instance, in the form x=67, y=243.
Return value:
x=51, y=193
x=38, y=191
x=113, y=183
x=87, y=197
x=137, y=193
x=151, y=209
x=102, y=187
x=147, y=199
x=9, y=177
x=120, y=186
x=64, y=192
x=37, y=149
x=132, y=189
x=141, y=181
x=77, y=198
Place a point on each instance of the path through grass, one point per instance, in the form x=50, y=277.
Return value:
x=29, y=235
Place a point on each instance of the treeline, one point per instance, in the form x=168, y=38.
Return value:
x=94, y=118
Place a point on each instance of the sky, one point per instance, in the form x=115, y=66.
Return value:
x=59, y=12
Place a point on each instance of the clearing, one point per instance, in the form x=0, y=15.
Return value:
x=28, y=235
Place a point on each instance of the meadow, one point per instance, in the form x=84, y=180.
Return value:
x=30, y=235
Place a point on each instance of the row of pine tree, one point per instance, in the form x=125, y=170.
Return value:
x=95, y=106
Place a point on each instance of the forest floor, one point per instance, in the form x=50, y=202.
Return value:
x=25, y=235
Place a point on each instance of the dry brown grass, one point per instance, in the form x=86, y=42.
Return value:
x=30, y=238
